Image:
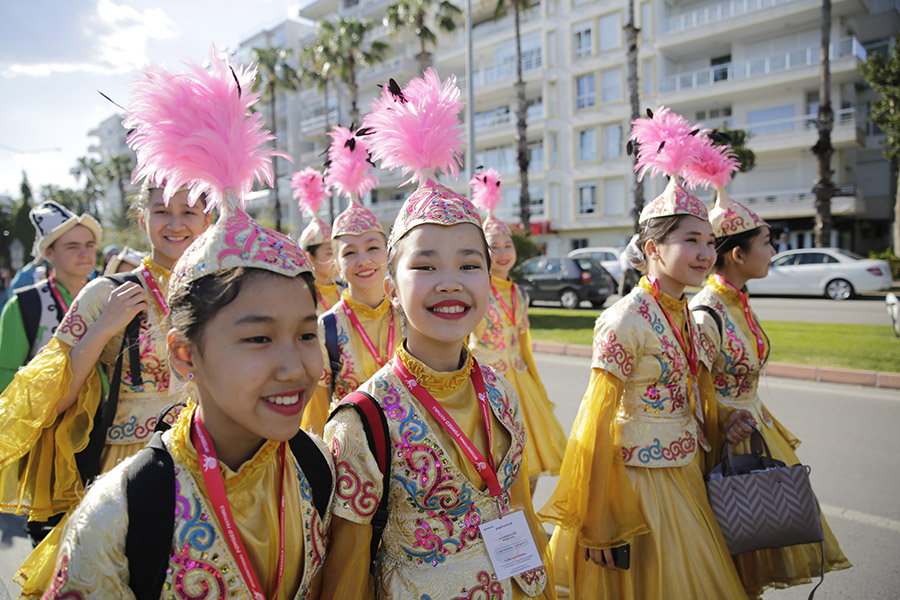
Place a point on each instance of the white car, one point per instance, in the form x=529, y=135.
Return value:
x=606, y=256
x=836, y=273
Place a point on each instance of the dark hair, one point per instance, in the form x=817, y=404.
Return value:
x=743, y=240
x=141, y=199
x=193, y=306
x=656, y=229
x=392, y=254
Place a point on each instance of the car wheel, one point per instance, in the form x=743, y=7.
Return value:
x=839, y=289
x=569, y=299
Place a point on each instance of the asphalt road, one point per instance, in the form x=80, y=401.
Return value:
x=850, y=440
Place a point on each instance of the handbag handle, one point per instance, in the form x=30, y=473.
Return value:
x=758, y=446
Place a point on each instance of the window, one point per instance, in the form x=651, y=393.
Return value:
x=499, y=158
x=646, y=21
x=816, y=258
x=608, y=32
x=536, y=194
x=530, y=267
x=582, y=40
x=553, y=142
x=785, y=261
x=720, y=66
x=647, y=78
x=534, y=109
x=584, y=92
x=614, y=196
x=611, y=85
x=578, y=243
x=587, y=199
x=612, y=141
x=587, y=144
x=770, y=120
x=536, y=156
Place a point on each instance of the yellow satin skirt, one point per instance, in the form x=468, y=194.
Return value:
x=791, y=565
x=545, y=443
x=684, y=556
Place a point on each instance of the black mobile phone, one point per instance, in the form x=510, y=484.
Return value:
x=622, y=557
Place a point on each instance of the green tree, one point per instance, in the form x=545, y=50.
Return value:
x=824, y=186
x=737, y=139
x=71, y=199
x=23, y=230
x=422, y=18
x=882, y=73
x=275, y=73
x=90, y=169
x=354, y=53
x=117, y=169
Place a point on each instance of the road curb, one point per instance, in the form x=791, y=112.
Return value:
x=862, y=377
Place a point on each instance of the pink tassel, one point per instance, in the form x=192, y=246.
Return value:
x=714, y=167
x=309, y=190
x=486, y=189
x=349, y=166
x=195, y=130
x=666, y=146
x=418, y=130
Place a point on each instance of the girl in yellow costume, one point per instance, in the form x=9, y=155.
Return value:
x=503, y=339
x=244, y=336
x=439, y=492
x=633, y=469
x=739, y=348
x=309, y=191
x=367, y=330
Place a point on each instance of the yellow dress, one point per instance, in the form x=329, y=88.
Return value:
x=431, y=547
x=736, y=368
x=505, y=345
x=38, y=474
x=633, y=469
x=92, y=562
x=328, y=296
x=357, y=363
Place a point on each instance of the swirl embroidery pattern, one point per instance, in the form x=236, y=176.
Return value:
x=679, y=448
x=356, y=494
x=73, y=324
x=609, y=351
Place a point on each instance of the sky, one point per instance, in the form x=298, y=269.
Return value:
x=56, y=54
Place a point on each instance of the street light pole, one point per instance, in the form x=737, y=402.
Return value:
x=470, y=92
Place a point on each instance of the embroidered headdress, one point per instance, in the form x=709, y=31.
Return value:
x=348, y=172
x=486, y=194
x=195, y=129
x=667, y=145
x=715, y=167
x=52, y=220
x=309, y=191
x=416, y=129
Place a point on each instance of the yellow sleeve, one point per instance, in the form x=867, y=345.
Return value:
x=520, y=495
x=527, y=354
x=38, y=474
x=714, y=414
x=345, y=575
x=594, y=497
x=315, y=414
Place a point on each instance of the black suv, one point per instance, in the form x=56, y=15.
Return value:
x=566, y=280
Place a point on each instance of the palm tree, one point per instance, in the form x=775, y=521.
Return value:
x=353, y=55
x=318, y=61
x=89, y=168
x=523, y=158
x=274, y=73
x=824, y=186
x=631, y=51
x=117, y=169
x=414, y=16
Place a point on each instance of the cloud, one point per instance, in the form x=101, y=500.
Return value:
x=104, y=38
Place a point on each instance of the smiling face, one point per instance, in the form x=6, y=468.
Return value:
x=503, y=255
x=323, y=263
x=73, y=253
x=256, y=363
x=362, y=260
x=442, y=285
x=683, y=257
x=171, y=228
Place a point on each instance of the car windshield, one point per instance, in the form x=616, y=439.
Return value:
x=852, y=255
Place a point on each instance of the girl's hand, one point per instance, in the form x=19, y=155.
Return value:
x=124, y=303
x=601, y=556
x=736, y=426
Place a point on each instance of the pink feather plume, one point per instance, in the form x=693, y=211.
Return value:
x=486, y=189
x=714, y=167
x=349, y=166
x=194, y=129
x=418, y=130
x=309, y=190
x=665, y=143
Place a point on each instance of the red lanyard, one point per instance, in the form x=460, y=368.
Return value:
x=154, y=289
x=484, y=467
x=748, y=315
x=509, y=313
x=215, y=489
x=322, y=299
x=690, y=350
x=365, y=337
x=57, y=294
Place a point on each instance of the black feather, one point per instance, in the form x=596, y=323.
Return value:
x=694, y=132
x=649, y=113
x=629, y=147
x=238, y=83
x=661, y=146
x=364, y=131
x=111, y=100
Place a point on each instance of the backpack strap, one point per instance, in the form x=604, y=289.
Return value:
x=329, y=321
x=713, y=313
x=150, y=494
x=379, y=438
x=315, y=467
x=30, y=307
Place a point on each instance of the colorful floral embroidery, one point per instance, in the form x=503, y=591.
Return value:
x=357, y=495
x=608, y=350
x=355, y=220
x=677, y=449
x=260, y=244
x=73, y=324
x=194, y=579
x=59, y=580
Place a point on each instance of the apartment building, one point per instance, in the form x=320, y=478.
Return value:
x=750, y=64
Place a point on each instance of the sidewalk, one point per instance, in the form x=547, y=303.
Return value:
x=806, y=372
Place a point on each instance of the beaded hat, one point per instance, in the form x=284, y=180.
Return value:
x=309, y=190
x=416, y=129
x=195, y=129
x=486, y=194
x=348, y=172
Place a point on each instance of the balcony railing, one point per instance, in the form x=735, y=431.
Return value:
x=494, y=119
x=315, y=122
x=842, y=118
x=715, y=13
x=795, y=196
x=531, y=60
x=759, y=67
x=486, y=28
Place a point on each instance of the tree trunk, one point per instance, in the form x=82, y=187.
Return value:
x=327, y=129
x=123, y=200
x=897, y=212
x=424, y=56
x=354, y=91
x=522, y=156
x=631, y=42
x=824, y=186
x=277, y=206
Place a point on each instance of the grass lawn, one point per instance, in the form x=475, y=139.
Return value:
x=872, y=347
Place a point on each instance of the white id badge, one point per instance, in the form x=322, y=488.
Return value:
x=510, y=545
